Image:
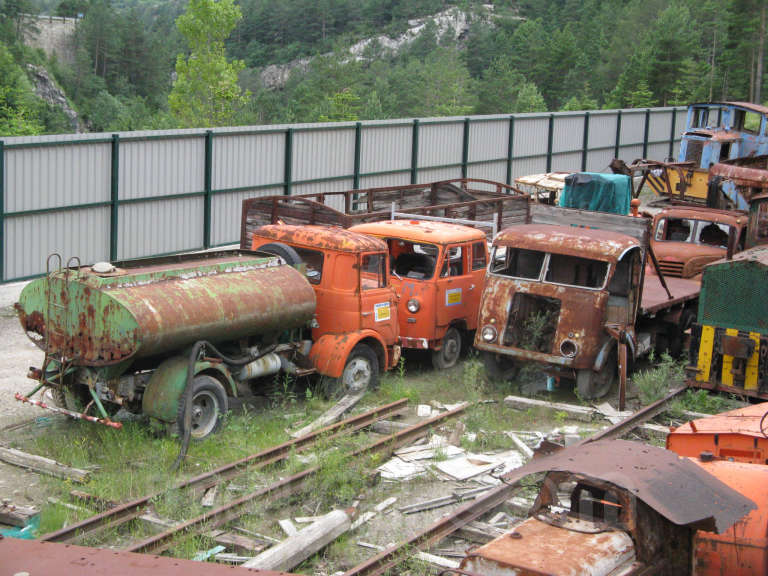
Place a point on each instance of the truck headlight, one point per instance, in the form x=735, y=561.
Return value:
x=568, y=348
x=413, y=305
x=488, y=333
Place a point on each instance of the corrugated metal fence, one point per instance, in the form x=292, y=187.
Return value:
x=132, y=194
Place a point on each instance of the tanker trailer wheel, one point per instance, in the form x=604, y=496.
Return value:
x=209, y=404
x=591, y=384
x=287, y=253
x=361, y=372
x=449, y=352
x=498, y=368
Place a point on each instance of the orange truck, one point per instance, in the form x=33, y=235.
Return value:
x=354, y=329
x=437, y=270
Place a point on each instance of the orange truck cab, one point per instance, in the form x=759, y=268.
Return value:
x=355, y=328
x=437, y=270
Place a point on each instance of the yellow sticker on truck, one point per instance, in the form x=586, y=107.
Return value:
x=381, y=312
x=453, y=296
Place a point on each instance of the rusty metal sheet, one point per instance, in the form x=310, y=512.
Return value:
x=581, y=242
x=655, y=298
x=744, y=421
x=53, y=559
x=674, y=487
x=752, y=174
x=538, y=547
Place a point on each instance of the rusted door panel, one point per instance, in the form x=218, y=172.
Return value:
x=453, y=288
x=378, y=302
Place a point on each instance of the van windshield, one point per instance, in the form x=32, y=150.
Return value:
x=412, y=260
x=551, y=268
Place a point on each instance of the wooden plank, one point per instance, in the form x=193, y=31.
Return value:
x=43, y=465
x=584, y=413
x=295, y=549
x=332, y=415
x=239, y=543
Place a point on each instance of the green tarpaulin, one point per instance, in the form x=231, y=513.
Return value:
x=599, y=192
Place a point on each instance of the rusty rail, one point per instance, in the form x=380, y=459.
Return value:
x=285, y=487
x=386, y=560
x=128, y=511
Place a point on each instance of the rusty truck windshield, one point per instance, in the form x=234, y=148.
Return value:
x=692, y=231
x=559, y=268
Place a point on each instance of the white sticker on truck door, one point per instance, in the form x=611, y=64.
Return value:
x=381, y=311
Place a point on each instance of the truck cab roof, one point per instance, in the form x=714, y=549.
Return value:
x=421, y=231
x=573, y=241
x=321, y=237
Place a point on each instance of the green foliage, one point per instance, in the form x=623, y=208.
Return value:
x=654, y=383
x=18, y=105
x=703, y=401
x=206, y=89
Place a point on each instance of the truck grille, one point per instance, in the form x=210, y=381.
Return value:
x=671, y=268
x=532, y=322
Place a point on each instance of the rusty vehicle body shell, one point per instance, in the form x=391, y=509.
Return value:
x=686, y=258
x=450, y=294
x=632, y=510
x=465, y=198
x=634, y=309
x=349, y=311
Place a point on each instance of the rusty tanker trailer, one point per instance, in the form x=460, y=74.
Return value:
x=139, y=334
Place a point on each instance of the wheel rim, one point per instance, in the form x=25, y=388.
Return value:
x=450, y=350
x=357, y=375
x=205, y=413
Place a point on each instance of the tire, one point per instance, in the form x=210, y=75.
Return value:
x=287, y=253
x=361, y=372
x=449, y=352
x=498, y=368
x=591, y=384
x=209, y=404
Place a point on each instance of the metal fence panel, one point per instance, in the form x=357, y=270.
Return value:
x=226, y=210
x=531, y=135
x=56, y=176
x=632, y=128
x=496, y=171
x=246, y=160
x=440, y=144
x=83, y=233
x=160, y=227
x=435, y=174
x=658, y=127
x=154, y=168
x=570, y=162
x=385, y=148
x=598, y=160
x=323, y=153
x=488, y=140
x=568, y=133
x=383, y=180
x=528, y=166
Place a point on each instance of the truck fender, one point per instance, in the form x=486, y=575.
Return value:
x=166, y=386
x=329, y=353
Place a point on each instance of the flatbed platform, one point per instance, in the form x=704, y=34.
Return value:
x=655, y=298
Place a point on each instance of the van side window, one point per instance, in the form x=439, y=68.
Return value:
x=314, y=261
x=454, y=262
x=478, y=256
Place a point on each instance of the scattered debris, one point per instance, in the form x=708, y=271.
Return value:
x=295, y=549
x=332, y=415
x=230, y=558
x=241, y=544
x=424, y=411
x=210, y=496
x=14, y=515
x=438, y=561
x=384, y=504
x=43, y=465
x=442, y=501
x=288, y=527
x=522, y=446
x=479, y=532
x=365, y=517
x=205, y=554
x=397, y=469
x=388, y=427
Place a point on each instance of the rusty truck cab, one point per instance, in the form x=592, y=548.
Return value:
x=557, y=296
x=686, y=238
x=355, y=329
x=437, y=269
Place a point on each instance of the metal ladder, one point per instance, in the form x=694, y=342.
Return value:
x=58, y=283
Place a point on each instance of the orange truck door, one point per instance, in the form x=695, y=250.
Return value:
x=478, y=262
x=378, y=303
x=456, y=287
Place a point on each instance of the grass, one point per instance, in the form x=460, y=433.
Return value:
x=654, y=383
x=703, y=401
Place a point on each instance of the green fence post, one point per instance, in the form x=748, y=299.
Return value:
x=358, y=140
x=510, y=148
x=618, y=135
x=207, y=184
x=3, y=243
x=415, y=152
x=114, y=197
x=550, y=138
x=465, y=148
x=672, y=134
x=288, y=167
x=585, y=142
x=645, y=132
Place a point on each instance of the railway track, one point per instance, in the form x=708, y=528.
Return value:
x=128, y=511
x=388, y=559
